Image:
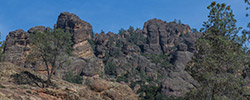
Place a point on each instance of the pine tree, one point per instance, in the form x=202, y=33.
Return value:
x=219, y=59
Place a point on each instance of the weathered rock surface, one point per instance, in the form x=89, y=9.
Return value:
x=80, y=30
x=37, y=28
x=163, y=36
x=78, y=66
x=15, y=87
x=16, y=47
x=84, y=61
x=159, y=52
x=154, y=56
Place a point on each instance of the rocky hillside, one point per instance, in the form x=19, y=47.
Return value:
x=18, y=83
x=151, y=60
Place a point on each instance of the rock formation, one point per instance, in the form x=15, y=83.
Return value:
x=16, y=47
x=155, y=56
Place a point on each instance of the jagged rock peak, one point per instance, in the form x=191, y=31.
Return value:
x=161, y=36
x=79, y=29
x=16, y=47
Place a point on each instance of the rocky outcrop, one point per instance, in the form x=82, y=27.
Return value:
x=14, y=87
x=159, y=52
x=80, y=30
x=37, y=28
x=155, y=56
x=16, y=47
x=85, y=62
x=163, y=36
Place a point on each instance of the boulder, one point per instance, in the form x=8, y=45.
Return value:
x=178, y=84
x=181, y=58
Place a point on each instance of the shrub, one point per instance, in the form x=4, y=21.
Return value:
x=122, y=78
x=160, y=59
x=110, y=68
x=93, y=44
x=70, y=77
x=1, y=86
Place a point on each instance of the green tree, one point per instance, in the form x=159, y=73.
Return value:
x=247, y=31
x=49, y=46
x=219, y=59
x=221, y=22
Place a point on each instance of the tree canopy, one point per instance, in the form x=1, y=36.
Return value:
x=219, y=59
x=49, y=46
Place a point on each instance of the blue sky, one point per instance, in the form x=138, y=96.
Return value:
x=109, y=15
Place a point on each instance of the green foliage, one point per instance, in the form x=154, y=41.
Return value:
x=135, y=37
x=1, y=86
x=119, y=43
x=93, y=44
x=122, y=78
x=70, y=77
x=194, y=30
x=246, y=32
x=153, y=93
x=179, y=21
x=217, y=67
x=160, y=96
x=131, y=29
x=28, y=92
x=219, y=60
x=110, y=68
x=247, y=8
x=221, y=22
x=150, y=92
x=158, y=59
x=116, y=52
x=121, y=31
x=50, y=46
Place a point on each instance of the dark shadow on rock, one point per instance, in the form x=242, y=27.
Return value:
x=26, y=77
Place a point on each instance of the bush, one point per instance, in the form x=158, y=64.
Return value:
x=110, y=68
x=160, y=59
x=122, y=78
x=70, y=77
x=1, y=86
x=93, y=44
x=150, y=91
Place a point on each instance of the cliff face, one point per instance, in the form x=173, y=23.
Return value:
x=152, y=57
